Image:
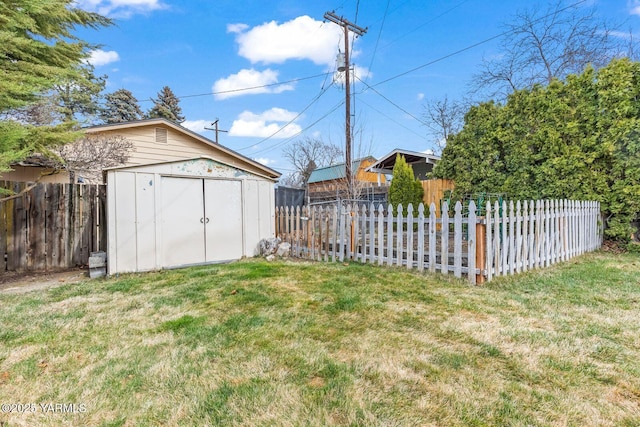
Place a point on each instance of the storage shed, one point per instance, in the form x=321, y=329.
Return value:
x=186, y=212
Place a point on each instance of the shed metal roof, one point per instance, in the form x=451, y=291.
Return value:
x=337, y=171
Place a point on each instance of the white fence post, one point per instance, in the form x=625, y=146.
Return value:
x=400, y=233
x=518, y=237
x=444, y=239
x=421, y=237
x=410, y=236
x=380, y=234
x=457, y=241
x=471, y=243
x=372, y=229
x=489, y=243
x=390, y=224
x=432, y=237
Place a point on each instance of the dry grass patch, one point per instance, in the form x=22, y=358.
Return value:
x=288, y=343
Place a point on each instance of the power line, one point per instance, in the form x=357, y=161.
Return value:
x=375, y=49
x=249, y=88
x=313, y=101
x=391, y=102
x=283, y=142
x=390, y=78
x=435, y=18
x=442, y=58
x=393, y=120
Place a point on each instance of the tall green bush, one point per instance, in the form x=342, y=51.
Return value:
x=573, y=139
x=404, y=187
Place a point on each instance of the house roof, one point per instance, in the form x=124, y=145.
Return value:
x=271, y=173
x=385, y=164
x=337, y=171
x=38, y=160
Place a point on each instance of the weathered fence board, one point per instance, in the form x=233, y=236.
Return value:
x=509, y=239
x=51, y=226
x=434, y=191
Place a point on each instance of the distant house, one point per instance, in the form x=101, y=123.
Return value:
x=154, y=141
x=35, y=168
x=421, y=163
x=435, y=190
x=329, y=183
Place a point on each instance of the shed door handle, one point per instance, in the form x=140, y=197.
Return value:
x=201, y=220
x=207, y=221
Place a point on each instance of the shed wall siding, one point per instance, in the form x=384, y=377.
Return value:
x=135, y=213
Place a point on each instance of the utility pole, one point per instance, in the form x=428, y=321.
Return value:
x=347, y=26
x=215, y=124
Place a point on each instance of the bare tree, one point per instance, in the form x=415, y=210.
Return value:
x=443, y=118
x=89, y=156
x=542, y=45
x=41, y=113
x=307, y=154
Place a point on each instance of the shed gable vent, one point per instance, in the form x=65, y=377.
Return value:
x=161, y=135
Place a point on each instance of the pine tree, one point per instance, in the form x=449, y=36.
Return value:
x=78, y=98
x=38, y=48
x=121, y=106
x=38, y=51
x=404, y=187
x=167, y=106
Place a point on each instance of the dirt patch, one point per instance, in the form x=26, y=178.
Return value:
x=21, y=282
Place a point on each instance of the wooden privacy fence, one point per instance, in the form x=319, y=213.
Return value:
x=51, y=226
x=508, y=240
x=434, y=191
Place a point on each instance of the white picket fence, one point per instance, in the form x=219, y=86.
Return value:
x=511, y=237
x=538, y=234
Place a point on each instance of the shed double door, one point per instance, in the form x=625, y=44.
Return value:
x=201, y=221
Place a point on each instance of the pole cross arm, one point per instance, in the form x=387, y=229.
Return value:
x=331, y=16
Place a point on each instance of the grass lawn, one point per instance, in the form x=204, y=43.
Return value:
x=292, y=343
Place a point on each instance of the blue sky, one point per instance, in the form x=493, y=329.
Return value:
x=206, y=50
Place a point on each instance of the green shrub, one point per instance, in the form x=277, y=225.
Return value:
x=404, y=187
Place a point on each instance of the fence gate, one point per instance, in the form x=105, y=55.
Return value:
x=51, y=226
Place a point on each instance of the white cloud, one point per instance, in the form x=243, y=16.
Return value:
x=248, y=79
x=100, y=57
x=196, y=125
x=300, y=38
x=120, y=8
x=236, y=28
x=420, y=96
x=634, y=7
x=264, y=161
x=273, y=115
x=622, y=34
x=266, y=124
